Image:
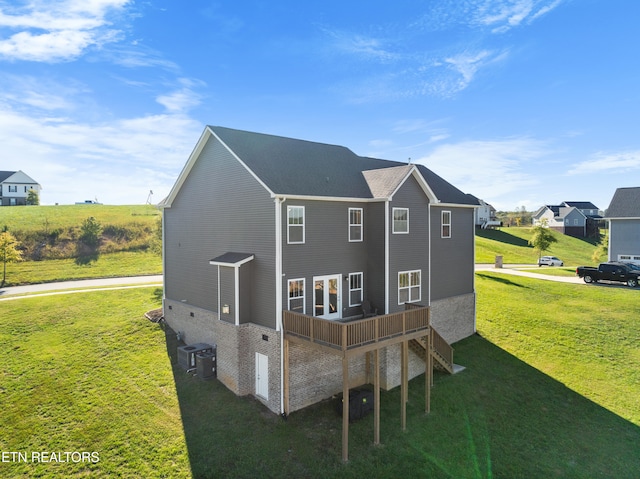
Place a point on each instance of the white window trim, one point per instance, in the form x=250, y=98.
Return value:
x=304, y=298
x=393, y=220
x=411, y=300
x=360, y=225
x=361, y=289
x=289, y=225
x=443, y=224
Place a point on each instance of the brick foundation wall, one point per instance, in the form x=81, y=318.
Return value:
x=454, y=318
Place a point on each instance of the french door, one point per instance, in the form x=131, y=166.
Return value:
x=327, y=296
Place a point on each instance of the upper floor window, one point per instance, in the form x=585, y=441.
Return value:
x=355, y=289
x=355, y=224
x=409, y=286
x=446, y=224
x=295, y=222
x=400, y=220
x=296, y=295
x=13, y=189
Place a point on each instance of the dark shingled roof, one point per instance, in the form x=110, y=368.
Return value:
x=298, y=167
x=625, y=204
x=5, y=174
x=232, y=258
x=582, y=205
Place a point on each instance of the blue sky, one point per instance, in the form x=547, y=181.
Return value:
x=519, y=102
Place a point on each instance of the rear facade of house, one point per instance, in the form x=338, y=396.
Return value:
x=257, y=224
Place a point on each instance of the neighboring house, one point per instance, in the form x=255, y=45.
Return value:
x=573, y=218
x=623, y=216
x=260, y=230
x=485, y=215
x=15, y=186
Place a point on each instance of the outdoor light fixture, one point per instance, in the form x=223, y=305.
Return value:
x=225, y=309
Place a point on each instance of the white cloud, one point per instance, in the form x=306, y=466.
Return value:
x=117, y=161
x=620, y=162
x=362, y=46
x=50, y=31
x=491, y=169
x=182, y=99
x=503, y=15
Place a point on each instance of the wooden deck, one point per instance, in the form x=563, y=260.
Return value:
x=361, y=336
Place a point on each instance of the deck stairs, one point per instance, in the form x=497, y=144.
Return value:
x=441, y=351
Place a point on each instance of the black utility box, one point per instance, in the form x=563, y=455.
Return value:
x=206, y=365
x=360, y=404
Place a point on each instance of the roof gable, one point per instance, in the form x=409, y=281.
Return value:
x=16, y=177
x=291, y=167
x=625, y=203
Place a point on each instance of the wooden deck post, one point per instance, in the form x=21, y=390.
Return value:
x=404, y=383
x=376, y=396
x=345, y=408
x=428, y=372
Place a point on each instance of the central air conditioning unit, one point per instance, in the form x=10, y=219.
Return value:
x=206, y=365
x=187, y=354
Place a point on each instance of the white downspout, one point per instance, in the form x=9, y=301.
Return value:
x=386, y=257
x=278, y=237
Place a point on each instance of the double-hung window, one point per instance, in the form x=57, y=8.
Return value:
x=446, y=224
x=355, y=289
x=295, y=222
x=409, y=286
x=13, y=189
x=355, y=224
x=296, y=295
x=400, y=220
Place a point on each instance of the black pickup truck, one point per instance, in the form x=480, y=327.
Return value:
x=619, y=272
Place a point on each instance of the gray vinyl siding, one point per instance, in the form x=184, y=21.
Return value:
x=452, y=258
x=375, y=234
x=220, y=208
x=227, y=293
x=624, y=238
x=409, y=252
x=326, y=250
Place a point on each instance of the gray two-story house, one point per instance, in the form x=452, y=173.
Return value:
x=623, y=216
x=259, y=227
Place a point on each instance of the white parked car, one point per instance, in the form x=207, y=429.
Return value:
x=550, y=261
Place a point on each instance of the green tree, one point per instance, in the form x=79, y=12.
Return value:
x=542, y=238
x=9, y=252
x=601, y=252
x=91, y=230
x=32, y=197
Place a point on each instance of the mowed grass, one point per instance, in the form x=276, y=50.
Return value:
x=545, y=395
x=112, y=265
x=32, y=218
x=512, y=245
x=132, y=261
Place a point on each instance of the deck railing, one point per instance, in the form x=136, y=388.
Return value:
x=353, y=334
x=442, y=347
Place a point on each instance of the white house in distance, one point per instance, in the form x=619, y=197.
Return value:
x=15, y=187
x=485, y=215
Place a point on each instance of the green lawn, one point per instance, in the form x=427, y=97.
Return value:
x=550, y=391
x=512, y=245
x=32, y=218
x=125, y=263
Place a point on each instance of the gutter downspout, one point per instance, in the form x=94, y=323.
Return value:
x=278, y=237
x=386, y=257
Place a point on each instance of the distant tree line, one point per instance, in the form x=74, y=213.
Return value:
x=519, y=217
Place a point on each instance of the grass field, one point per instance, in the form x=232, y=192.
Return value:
x=125, y=263
x=512, y=245
x=32, y=218
x=550, y=391
x=124, y=250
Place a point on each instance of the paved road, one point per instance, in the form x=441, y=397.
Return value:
x=80, y=285
x=65, y=287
